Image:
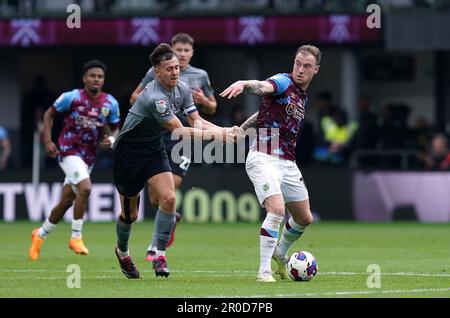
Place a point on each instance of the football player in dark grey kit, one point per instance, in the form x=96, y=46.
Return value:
x=140, y=157
x=203, y=96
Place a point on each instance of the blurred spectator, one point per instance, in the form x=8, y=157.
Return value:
x=395, y=134
x=5, y=148
x=35, y=104
x=338, y=133
x=367, y=134
x=304, y=150
x=421, y=3
x=325, y=107
x=325, y=104
x=25, y=7
x=103, y=5
x=438, y=156
x=422, y=133
x=394, y=130
x=237, y=115
x=170, y=4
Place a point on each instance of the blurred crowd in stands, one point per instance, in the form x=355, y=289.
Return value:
x=51, y=7
x=382, y=140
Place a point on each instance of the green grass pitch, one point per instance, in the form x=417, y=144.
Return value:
x=221, y=260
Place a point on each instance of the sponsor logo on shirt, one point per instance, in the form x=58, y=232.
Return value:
x=93, y=112
x=295, y=110
x=87, y=122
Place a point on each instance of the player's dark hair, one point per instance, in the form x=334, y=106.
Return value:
x=161, y=53
x=312, y=50
x=93, y=63
x=183, y=38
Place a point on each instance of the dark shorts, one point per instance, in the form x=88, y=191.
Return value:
x=180, y=169
x=131, y=170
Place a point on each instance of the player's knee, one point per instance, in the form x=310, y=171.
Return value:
x=307, y=220
x=167, y=202
x=84, y=191
x=277, y=209
x=154, y=201
x=128, y=219
x=66, y=204
x=133, y=217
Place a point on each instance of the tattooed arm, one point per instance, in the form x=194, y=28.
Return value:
x=253, y=87
x=251, y=121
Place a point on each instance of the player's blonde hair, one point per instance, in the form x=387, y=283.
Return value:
x=314, y=50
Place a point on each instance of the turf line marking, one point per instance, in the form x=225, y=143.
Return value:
x=343, y=293
x=228, y=273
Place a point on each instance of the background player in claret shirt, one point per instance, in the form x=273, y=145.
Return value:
x=202, y=94
x=88, y=114
x=271, y=164
x=140, y=157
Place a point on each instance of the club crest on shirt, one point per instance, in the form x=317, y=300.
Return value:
x=105, y=111
x=161, y=106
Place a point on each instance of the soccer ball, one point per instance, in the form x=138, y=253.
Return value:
x=302, y=266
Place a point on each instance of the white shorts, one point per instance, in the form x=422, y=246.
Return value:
x=272, y=175
x=75, y=169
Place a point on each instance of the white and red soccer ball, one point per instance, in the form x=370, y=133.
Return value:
x=302, y=266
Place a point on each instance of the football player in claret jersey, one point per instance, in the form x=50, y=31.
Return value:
x=270, y=162
x=88, y=114
x=203, y=96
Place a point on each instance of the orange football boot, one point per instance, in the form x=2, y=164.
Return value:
x=76, y=244
x=36, y=242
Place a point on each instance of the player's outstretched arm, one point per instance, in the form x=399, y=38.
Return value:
x=174, y=125
x=6, y=145
x=195, y=120
x=135, y=94
x=50, y=148
x=110, y=133
x=253, y=87
x=251, y=121
x=208, y=104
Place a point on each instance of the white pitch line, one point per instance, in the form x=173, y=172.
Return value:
x=388, y=274
x=228, y=273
